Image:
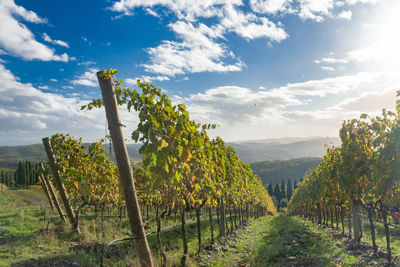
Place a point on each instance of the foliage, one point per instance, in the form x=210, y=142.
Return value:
x=181, y=166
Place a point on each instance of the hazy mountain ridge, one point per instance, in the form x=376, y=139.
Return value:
x=249, y=151
x=265, y=150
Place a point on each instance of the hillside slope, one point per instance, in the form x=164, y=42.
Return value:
x=248, y=151
x=254, y=151
x=278, y=170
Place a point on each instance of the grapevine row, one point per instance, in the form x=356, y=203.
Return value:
x=359, y=177
x=182, y=168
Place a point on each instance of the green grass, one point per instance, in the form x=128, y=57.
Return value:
x=34, y=192
x=21, y=238
x=380, y=236
x=283, y=241
x=267, y=241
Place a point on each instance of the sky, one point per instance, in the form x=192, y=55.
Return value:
x=258, y=68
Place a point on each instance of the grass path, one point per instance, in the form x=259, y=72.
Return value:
x=29, y=198
x=282, y=241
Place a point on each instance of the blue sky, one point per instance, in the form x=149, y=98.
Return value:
x=259, y=68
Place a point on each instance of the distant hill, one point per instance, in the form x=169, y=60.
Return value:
x=248, y=151
x=10, y=155
x=278, y=170
x=282, y=149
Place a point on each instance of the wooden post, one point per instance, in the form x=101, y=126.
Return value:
x=125, y=169
x=46, y=191
x=52, y=193
x=55, y=199
x=60, y=185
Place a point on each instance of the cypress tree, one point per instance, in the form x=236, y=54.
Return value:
x=270, y=190
x=19, y=173
x=289, y=190
x=277, y=193
x=283, y=190
x=295, y=184
x=26, y=179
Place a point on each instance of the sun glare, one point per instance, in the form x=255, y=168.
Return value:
x=382, y=38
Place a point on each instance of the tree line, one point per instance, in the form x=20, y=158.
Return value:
x=282, y=194
x=26, y=174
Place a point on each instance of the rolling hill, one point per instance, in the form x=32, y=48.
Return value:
x=248, y=151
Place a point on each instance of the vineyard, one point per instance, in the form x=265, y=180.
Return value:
x=183, y=172
x=358, y=180
x=191, y=201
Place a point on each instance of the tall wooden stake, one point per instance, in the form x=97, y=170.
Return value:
x=46, y=191
x=60, y=185
x=52, y=193
x=125, y=170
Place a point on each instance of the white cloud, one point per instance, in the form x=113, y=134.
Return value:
x=173, y=58
x=358, y=55
x=315, y=9
x=45, y=87
x=330, y=69
x=201, y=47
x=198, y=52
x=47, y=38
x=341, y=84
x=345, y=14
x=269, y=6
x=250, y=26
x=53, y=80
x=147, y=79
x=353, y=2
x=232, y=104
x=28, y=114
x=86, y=63
x=371, y=102
x=86, y=40
x=183, y=9
x=152, y=12
x=17, y=39
x=88, y=78
x=25, y=108
x=67, y=87
x=27, y=15
x=292, y=108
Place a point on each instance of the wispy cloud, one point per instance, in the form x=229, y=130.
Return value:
x=345, y=14
x=47, y=38
x=88, y=78
x=330, y=69
x=358, y=55
x=147, y=79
